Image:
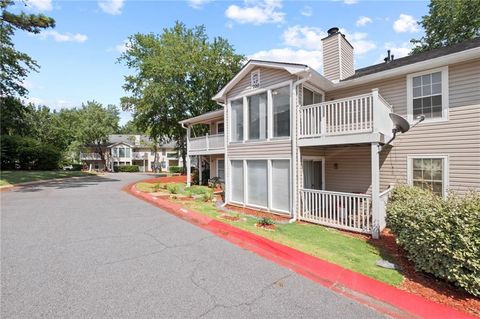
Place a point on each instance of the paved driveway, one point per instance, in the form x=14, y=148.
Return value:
x=84, y=249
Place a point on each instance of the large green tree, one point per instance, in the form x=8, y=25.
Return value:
x=176, y=74
x=16, y=65
x=96, y=124
x=448, y=22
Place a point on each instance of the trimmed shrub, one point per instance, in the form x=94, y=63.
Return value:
x=440, y=236
x=126, y=169
x=175, y=169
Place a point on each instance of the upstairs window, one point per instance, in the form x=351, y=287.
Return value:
x=311, y=97
x=428, y=94
x=257, y=116
x=281, y=111
x=220, y=128
x=237, y=120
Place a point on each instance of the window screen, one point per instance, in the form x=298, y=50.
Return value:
x=237, y=181
x=281, y=185
x=257, y=116
x=237, y=120
x=257, y=183
x=281, y=111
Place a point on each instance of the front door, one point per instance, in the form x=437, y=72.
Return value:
x=313, y=174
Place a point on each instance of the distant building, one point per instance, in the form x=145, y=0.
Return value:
x=129, y=149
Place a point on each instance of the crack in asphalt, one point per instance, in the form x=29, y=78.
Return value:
x=247, y=303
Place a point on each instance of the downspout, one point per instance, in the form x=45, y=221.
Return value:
x=294, y=145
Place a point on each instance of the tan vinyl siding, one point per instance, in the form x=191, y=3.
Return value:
x=270, y=149
x=458, y=138
x=268, y=77
x=353, y=172
x=348, y=68
x=331, y=66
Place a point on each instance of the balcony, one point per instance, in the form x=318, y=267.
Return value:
x=208, y=144
x=90, y=157
x=358, y=119
x=140, y=155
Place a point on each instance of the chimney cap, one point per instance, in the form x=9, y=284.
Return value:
x=333, y=31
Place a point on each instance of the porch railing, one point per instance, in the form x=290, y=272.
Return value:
x=335, y=209
x=207, y=143
x=357, y=114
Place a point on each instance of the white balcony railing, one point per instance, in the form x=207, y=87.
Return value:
x=207, y=143
x=340, y=210
x=358, y=114
x=90, y=157
x=140, y=155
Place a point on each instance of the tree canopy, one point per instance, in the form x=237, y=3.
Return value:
x=448, y=22
x=177, y=73
x=16, y=65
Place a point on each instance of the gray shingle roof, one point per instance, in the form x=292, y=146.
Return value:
x=435, y=53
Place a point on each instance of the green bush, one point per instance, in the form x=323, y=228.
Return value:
x=173, y=188
x=175, y=169
x=77, y=167
x=440, y=236
x=28, y=154
x=126, y=168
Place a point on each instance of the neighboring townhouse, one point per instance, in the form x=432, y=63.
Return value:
x=132, y=150
x=313, y=147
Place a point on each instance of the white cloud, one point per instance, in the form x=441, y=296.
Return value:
x=256, y=12
x=198, y=4
x=405, y=23
x=350, y=1
x=122, y=47
x=363, y=21
x=306, y=11
x=398, y=50
x=113, y=7
x=311, y=58
x=35, y=101
x=304, y=37
x=40, y=5
x=360, y=42
x=53, y=104
x=65, y=37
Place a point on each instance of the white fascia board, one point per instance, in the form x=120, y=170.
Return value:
x=414, y=67
x=204, y=117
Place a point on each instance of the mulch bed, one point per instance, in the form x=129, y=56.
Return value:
x=257, y=213
x=423, y=284
x=168, y=179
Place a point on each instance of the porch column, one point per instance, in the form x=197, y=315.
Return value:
x=199, y=170
x=189, y=173
x=375, y=162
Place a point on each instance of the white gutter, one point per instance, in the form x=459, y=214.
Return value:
x=294, y=145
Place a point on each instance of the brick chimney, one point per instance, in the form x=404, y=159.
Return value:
x=337, y=56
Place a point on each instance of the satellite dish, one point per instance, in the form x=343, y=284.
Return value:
x=400, y=124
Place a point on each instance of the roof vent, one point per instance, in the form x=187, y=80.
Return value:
x=389, y=57
x=333, y=31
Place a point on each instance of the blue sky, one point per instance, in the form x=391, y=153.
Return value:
x=78, y=57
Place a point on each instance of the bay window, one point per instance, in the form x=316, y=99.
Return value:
x=281, y=111
x=257, y=116
x=237, y=120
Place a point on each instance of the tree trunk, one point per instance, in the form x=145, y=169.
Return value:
x=102, y=155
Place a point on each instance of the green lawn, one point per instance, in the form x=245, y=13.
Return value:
x=326, y=243
x=15, y=177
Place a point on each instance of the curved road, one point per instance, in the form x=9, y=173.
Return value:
x=82, y=248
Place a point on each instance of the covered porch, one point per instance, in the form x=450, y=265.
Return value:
x=339, y=186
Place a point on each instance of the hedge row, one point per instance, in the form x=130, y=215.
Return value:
x=126, y=168
x=175, y=169
x=440, y=236
x=28, y=154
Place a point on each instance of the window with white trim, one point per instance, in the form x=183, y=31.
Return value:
x=281, y=111
x=237, y=120
x=257, y=117
x=257, y=182
x=429, y=172
x=221, y=169
x=220, y=128
x=428, y=94
x=311, y=97
x=236, y=177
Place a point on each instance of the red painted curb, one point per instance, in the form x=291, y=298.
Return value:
x=387, y=299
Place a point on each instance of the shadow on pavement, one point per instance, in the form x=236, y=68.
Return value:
x=66, y=183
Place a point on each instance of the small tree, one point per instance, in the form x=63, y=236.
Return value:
x=96, y=124
x=448, y=22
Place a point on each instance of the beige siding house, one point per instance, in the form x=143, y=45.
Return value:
x=316, y=148
x=131, y=149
